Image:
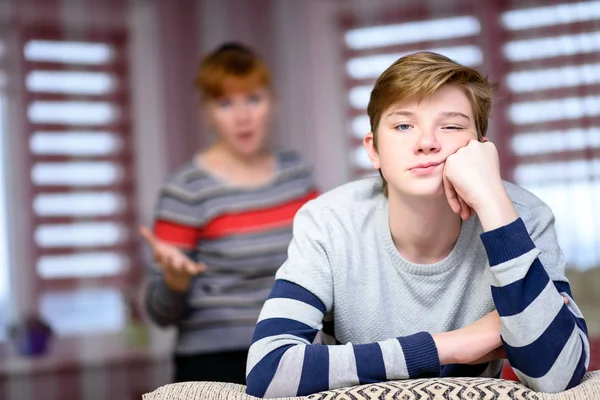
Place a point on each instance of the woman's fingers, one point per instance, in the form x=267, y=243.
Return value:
x=191, y=267
x=170, y=257
x=149, y=236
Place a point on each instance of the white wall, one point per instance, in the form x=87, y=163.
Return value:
x=150, y=132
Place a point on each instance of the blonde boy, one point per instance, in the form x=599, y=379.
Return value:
x=443, y=271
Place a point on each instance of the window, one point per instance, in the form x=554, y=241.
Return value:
x=553, y=76
x=81, y=173
x=548, y=113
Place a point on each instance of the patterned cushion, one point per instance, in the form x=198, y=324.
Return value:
x=417, y=389
x=443, y=388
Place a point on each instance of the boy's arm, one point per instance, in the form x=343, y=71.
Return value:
x=545, y=339
x=283, y=361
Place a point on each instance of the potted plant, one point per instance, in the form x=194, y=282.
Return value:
x=31, y=336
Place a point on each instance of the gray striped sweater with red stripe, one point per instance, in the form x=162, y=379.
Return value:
x=241, y=234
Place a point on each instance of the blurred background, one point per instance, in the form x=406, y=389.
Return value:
x=97, y=107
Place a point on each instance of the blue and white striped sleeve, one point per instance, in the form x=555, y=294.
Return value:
x=283, y=359
x=545, y=340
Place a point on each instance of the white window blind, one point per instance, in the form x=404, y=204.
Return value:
x=553, y=76
x=547, y=125
x=82, y=177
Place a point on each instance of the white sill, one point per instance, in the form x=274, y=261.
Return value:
x=89, y=351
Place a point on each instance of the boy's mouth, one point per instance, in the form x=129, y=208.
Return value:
x=425, y=168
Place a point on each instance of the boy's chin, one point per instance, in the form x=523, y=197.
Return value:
x=428, y=189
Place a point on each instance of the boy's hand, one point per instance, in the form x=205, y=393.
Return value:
x=476, y=343
x=471, y=343
x=472, y=182
x=178, y=269
x=496, y=354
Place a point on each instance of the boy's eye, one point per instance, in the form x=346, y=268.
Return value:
x=224, y=103
x=403, y=127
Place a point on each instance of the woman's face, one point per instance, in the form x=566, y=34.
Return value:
x=241, y=119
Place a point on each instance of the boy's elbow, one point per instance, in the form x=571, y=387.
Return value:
x=256, y=378
x=577, y=378
x=546, y=387
x=578, y=374
x=262, y=382
x=255, y=386
x=259, y=389
x=556, y=385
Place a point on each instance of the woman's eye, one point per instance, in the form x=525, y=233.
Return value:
x=224, y=103
x=254, y=98
x=452, y=127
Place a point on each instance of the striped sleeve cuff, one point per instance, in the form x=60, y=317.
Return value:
x=421, y=355
x=167, y=300
x=507, y=242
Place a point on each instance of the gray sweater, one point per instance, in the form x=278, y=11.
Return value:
x=342, y=260
x=241, y=234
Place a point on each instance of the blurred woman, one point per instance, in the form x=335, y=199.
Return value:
x=224, y=222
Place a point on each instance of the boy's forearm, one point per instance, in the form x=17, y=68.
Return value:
x=282, y=360
x=471, y=343
x=446, y=343
x=284, y=366
x=544, y=338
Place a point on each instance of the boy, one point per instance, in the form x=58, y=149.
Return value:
x=443, y=271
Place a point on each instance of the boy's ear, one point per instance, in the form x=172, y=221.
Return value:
x=369, y=145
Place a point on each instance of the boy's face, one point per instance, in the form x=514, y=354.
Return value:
x=241, y=119
x=415, y=138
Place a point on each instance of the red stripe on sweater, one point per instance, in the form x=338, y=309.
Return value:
x=176, y=234
x=255, y=221
x=234, y=223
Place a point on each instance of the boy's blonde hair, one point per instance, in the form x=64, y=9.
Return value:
x=422, y=74
x=231, y=68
